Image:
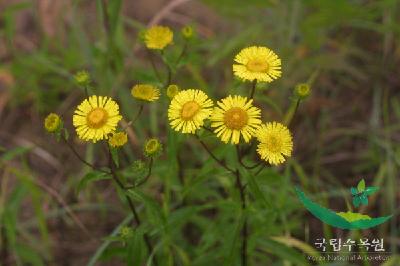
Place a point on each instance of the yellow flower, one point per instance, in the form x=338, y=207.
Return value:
x=145, y=92
x=188, y=110
x=118, y=139
x=52, y=123
x=235, y=116
x=96, y=117
x=157, y=37
x=152, y=147
x=275, y=142
x=257, y=63
x=172, y=90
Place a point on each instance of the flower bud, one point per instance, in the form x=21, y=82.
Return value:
x=118, y=139
x=126, y=233
x=52, y=123
x=152, y=148
x=172, y=90
x=82, y=78
x=187, y=32
x=302, y=90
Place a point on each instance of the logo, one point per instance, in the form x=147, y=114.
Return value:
x=345, y=220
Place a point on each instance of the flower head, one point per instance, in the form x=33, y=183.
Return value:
x=188, y=110
x=95, y=118
x=118, y=139
x=52, y=123
x=275, y=142
x=126, y=233
x=138, y=167
x=257, y=63
x=82, y=78
x=152, y=148
x=158, y=37
x=172, y=90
x=145, y=92
x=302, y=90
x=235, y=116
x=187, y=32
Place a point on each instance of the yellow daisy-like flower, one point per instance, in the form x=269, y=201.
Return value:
x=188, y=110
x=118, y=139
x=158, y=37
x=145, y=92
x=235, y=116
x=257, y=63
x=52, y=123
x=96, y=117
x=275, y=142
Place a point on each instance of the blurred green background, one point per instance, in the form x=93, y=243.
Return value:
x=347, y=130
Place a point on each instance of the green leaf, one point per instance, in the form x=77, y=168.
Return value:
x=361, y=185
x=89, y=178
x=153, y=209
x=353, y=216
x=107, y=242
x=282, y=251
x=371, y=190
x=11, y=154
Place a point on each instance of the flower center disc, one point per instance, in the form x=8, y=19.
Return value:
x=151, y=146
x=257, y=65
x=97, y=118
x=189, y=110
x=235, y=118
x=273, y=144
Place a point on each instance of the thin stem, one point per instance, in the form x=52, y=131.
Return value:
x=295, y=111
x=169, y=71
x=259, y=171
x=86, y=92
x=253, y=88
x=185, y=45
x=242, y=191
x=80, y=157
x=144, y=180
x=130, y=202
x=208, y=129
x=138, y=114
x=240, y=159
x=153, y=65
x=220, y=162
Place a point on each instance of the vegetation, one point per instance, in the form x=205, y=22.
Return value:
x=147, y=193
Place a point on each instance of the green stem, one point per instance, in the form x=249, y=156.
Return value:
x=253, y=88
x=114, y=175
x=244, y=233
x=220, y=162
x=240, y=159
x=291, y=113
x=80, y=157
x=153, y=65
x=138, y=114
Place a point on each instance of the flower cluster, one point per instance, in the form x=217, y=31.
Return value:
x=235, y=117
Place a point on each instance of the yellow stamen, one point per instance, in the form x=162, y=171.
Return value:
x=189, y=110
x=273, y=144
x=97, y=118
x=257, y=65
x=235, y=118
